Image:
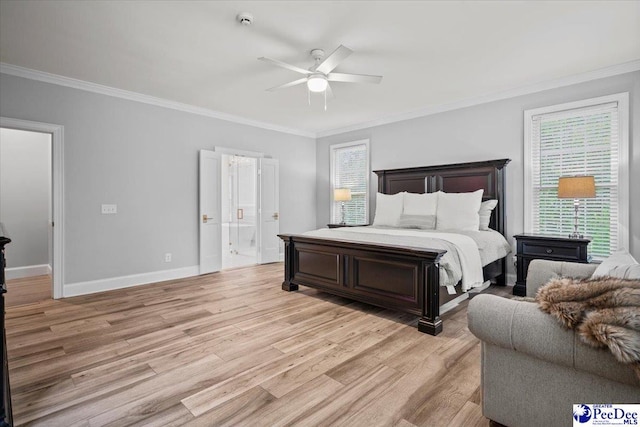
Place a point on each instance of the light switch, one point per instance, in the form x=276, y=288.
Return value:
x=109, y=209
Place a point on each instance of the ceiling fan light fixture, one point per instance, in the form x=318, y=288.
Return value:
x=317, y=82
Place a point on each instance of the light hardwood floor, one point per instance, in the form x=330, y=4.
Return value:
x=28, y=290
x=232, y=348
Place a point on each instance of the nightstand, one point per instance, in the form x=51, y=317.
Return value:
x=555, y=248
x=345, y=225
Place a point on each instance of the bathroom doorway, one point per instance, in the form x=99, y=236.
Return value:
x=26, y=212
x=239, y=182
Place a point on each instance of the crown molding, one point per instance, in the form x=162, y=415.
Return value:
x=27, y=73
x=56, y=79
x=627, y=67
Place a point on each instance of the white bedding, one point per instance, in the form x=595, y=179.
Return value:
x=466, y=253
x=491, y=244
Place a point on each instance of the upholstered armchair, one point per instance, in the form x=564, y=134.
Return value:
x=533, y=369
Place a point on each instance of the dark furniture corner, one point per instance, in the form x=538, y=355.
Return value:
x=6, y=416
x=345, y=225
x=554, y=248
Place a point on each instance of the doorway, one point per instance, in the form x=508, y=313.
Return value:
x=55, y=208
x=238, y=213
x=239, y=181
x=26, y=210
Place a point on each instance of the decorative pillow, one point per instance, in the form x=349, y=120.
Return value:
x=388, y=209
x=459, y=211
x=631, y=271
x=424, y=222
x=420, y=211
x=619, y=263
x=486, y=208
x=420, y=204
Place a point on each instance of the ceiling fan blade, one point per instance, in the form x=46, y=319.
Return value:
x=353, y=78
x=332, y=61
x=293, y=83
x=285, y=65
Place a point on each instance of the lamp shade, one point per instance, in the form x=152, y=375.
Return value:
x=342, y=194
x=576, y=187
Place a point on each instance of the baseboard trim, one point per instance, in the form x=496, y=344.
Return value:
x=112, y=283
x=27, y=271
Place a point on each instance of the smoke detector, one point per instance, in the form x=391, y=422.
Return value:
x=245, y=18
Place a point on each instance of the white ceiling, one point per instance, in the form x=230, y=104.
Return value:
x=430, y=53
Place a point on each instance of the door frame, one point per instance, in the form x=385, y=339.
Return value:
x=57, y=196
x=233, y=152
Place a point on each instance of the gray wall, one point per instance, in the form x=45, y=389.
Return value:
x=25, y=187
x=145, y=159
x=488, y=131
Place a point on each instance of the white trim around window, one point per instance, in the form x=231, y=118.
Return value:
x=332, y=150
x=622, y=101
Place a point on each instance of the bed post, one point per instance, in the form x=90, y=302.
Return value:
x=501, y=187
x=430, y=321
x=288, y=263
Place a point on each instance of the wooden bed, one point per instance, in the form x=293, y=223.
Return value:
x=396, y=277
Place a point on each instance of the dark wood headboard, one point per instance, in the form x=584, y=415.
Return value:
x=454, y=178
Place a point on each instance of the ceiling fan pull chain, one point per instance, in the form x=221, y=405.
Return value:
x=325, y=100
x=309, y=96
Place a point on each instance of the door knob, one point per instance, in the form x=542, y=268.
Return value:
x=205, y=218
x=275, y=215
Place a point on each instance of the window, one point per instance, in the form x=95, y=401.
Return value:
x=588, y=137
x=350, y=169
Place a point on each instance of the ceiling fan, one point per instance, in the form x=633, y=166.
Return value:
x=318, y=76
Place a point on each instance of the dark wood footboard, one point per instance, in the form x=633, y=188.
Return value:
x=394, y=277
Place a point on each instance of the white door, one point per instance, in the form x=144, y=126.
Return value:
x=210, y=212
x=269, y=245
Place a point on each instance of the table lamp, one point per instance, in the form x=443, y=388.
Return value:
x=576, y=187
x=342, y=195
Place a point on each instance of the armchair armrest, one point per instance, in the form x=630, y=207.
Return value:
x=541, y=271
x=521, y=327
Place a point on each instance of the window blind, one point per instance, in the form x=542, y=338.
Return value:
x=581, y=141
x=350, y=169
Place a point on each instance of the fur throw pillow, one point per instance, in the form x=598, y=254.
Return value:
x=604, y=311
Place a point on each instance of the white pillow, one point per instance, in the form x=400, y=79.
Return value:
x=419, y=211
x=630, y=271
x=459, y=211
x=420, y=204
x=619, y=264
x=485, y=213
x=388, y=209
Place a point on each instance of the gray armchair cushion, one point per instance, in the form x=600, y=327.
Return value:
x=541, y=271
x=520, y=326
